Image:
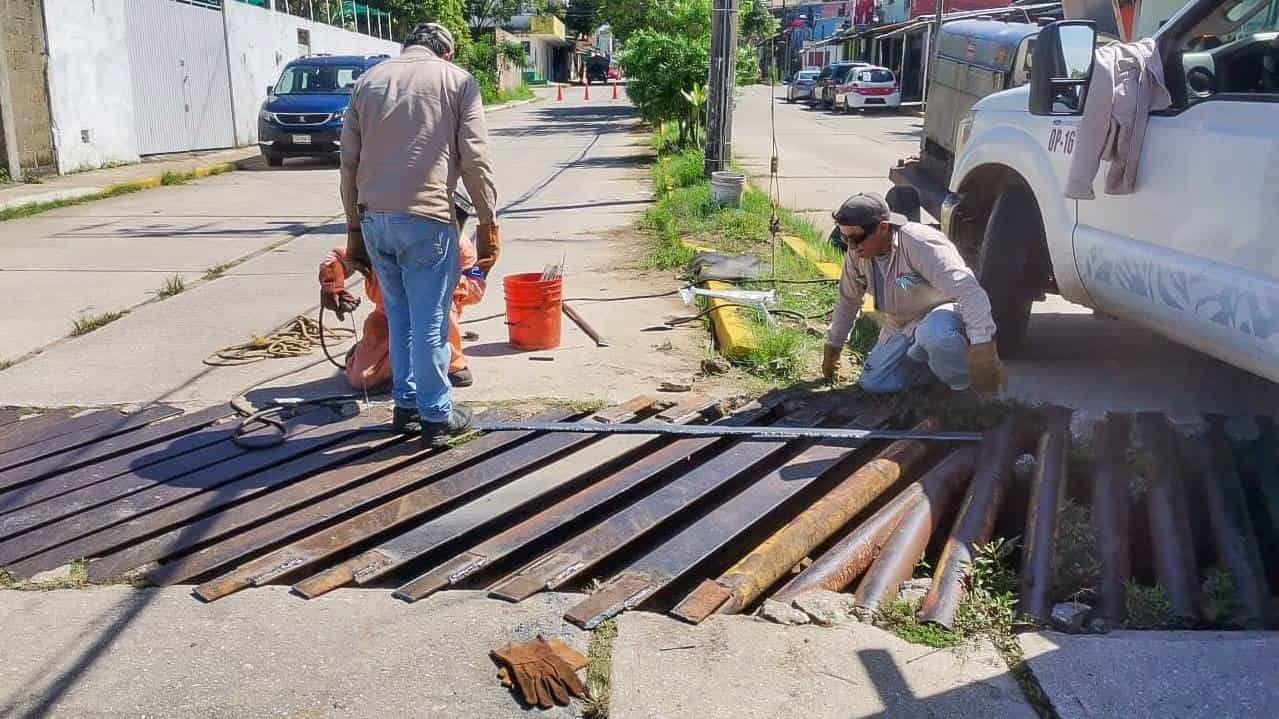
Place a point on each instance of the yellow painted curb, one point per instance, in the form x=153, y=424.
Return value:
x=829, y=270
x=732, y=329
x=149, y=183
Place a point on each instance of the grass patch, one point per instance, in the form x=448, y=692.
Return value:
x=599, y=670
x=494, y=96
x=1147, y=607
x=1077, y=563
x=175, y=285
x=217, y=271
x=685, y=215
x=1221, y=599
x=5, y=364
x=83, y=325
x=176, y=178
x=14, y=213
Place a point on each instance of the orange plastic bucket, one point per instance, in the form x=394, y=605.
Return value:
x=533, y=310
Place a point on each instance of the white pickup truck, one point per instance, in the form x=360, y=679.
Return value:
x=1193, y=252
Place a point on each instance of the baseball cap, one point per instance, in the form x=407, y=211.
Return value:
x=867, y=208
x=433, y=35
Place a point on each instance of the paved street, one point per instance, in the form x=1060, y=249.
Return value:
x=1072, y=357
x=571, y=182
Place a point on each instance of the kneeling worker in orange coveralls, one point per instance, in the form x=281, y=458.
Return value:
x=368, y=363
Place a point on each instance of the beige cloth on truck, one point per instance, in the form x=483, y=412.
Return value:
x=1127, y=85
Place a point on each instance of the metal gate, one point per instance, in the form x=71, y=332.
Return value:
x=181, y=83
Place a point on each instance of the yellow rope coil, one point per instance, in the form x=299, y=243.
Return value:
x=295, y=339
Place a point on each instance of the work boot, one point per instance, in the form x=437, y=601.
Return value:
x=461, y=378
x=406, y=420
x=438, y=434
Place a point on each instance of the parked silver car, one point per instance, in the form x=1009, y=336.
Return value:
x=801, y=87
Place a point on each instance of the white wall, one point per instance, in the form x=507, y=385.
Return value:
x=90, y=87
x=262, y=42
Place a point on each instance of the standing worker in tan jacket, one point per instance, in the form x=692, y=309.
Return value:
x=415, y=125
x=936, y=316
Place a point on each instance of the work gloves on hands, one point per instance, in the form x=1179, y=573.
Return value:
x=333, y=293
x=544, y=671
x=986, y=369
x=830, y=363
x=356, y=253
x=488, y=246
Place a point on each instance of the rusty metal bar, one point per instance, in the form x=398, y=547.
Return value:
x=1268, y=467
x=404, y=476
x=847, y=559
x=119, y=424
x=1035, y=598
x=830, y=436
x=575, y=556
x=578, y=509
x=1236, y=542
x=1111, y=504
x=909, y=539
x=709, y=534
x=584, y=466
x=581, y=322
x=1170, y=536
x=380, y=521
x=248, y=493
x=747, y=580
x=69, y=538
x=171, y=438
x=974, y=524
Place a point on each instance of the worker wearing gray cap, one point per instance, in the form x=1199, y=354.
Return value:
x=936, y=316
x=414, y=129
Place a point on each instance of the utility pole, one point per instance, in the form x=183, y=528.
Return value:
x=719, y=86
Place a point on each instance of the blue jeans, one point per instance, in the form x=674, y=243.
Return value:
x=417, y=261
x=939, y=348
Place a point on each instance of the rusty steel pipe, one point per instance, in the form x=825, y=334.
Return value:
x=974, y=524
x=747, y=580
x=843, y=563
x=1170, y=536
x=585, y=326
x=1111, y=503
x=1233, y=535
x=1035, y=597
x=910, y=538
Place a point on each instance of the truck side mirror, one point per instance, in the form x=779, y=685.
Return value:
x=270, y=90
x=1061, y=67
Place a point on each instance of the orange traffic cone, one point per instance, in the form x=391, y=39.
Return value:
x=614, y=89
x=559, y=93
x=587, y=94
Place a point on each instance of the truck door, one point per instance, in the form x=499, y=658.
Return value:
x=1193, y=251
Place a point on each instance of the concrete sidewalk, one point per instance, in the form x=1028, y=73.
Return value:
x=1191, y=675
x=144, y=174
x=737, y=667
x=117, y=651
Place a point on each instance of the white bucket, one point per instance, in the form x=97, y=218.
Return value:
x=726, y=187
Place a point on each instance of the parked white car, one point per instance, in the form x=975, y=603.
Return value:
x=866, y=87
x=1190, y=253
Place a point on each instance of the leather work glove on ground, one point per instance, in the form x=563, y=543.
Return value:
x=544, y=671
x=830, y=363
x=488, y=246
x=986, y=369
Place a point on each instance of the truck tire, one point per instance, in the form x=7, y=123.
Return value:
x=1004, y=266
x=273, y=159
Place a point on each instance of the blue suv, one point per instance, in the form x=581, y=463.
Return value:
x=302, y=114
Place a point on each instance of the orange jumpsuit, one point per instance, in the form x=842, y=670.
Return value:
x=368, y=363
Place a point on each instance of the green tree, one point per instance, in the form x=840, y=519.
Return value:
x=449, y=13
x=490, y=13
x=582, y=17
x=667, y=61
x=756, y=22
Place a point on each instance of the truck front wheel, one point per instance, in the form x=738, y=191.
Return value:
x=1005, y=268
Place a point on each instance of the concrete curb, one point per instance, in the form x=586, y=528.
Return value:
x=145, y=183
x=509, y=105
x=733, y=333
